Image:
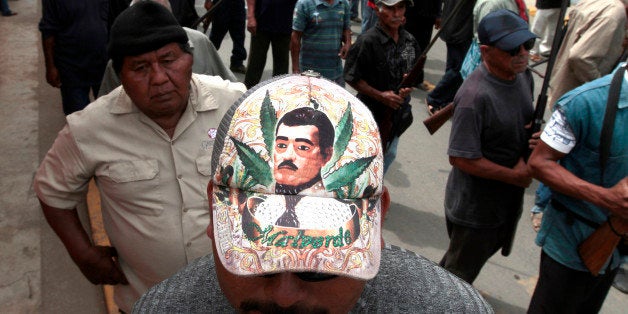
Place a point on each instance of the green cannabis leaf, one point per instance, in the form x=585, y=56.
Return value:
x=344, y=129
x=257, y=168
x=347, y=174
x=268, y=121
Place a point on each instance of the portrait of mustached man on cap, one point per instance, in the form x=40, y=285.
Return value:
x=335, y=260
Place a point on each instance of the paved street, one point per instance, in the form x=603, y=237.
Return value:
x=37, y=276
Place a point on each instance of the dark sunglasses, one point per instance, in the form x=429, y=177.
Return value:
x=308, y=276
x=526, y=45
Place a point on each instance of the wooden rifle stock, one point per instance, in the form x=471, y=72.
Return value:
x=599, y=246
x=437, y=120
x=206, y=18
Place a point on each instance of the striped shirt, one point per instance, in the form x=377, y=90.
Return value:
x=322, y=25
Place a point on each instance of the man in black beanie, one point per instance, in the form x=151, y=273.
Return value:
x=148, y=147
x=206, y=58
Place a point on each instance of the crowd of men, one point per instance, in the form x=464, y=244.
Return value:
x=272, y=199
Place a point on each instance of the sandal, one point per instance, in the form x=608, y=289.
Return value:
x=431, y=110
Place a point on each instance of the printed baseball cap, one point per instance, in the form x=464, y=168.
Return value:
x=298, y=174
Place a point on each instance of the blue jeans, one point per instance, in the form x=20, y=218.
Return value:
x=448, y=85
x=391, y=153
x=369, y=18
x=76, y=98
x=542, y=197
x=353, y=6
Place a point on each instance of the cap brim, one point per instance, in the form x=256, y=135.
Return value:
x=335, y=236
x=514, y=39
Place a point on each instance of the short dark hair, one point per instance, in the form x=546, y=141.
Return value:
x=311, y=116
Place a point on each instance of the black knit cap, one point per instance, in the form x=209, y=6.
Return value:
x=143, y=27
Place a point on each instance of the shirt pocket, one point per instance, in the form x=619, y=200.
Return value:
x=203, y=166
x=132, y=186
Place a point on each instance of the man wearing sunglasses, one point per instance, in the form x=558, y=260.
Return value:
x=484, y=194
x=331, y=263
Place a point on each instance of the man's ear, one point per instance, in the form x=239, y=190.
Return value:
x=385, y=203
x=484, y=49
x=328, y=152
x=210, y=226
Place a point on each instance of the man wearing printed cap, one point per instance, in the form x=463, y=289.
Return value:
x=331, y=261
x=484, y=193
x=147, y=145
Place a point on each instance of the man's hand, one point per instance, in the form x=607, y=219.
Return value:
x=405, y=92
x=437, y=23
x=390, y=99
x=100, y=266
x=618, y=198
x=523, y=177
x=343, y=51
x=52, y=76
x=534, y=140
x=208, y=4
x=251, y=25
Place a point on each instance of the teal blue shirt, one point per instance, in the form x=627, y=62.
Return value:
x=583, y=109
x=322, y=25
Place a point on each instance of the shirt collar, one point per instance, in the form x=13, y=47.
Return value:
x=383, y=36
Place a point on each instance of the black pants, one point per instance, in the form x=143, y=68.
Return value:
x=561, y=289
x=470, y=248
x=260, y=42
x=230, y=17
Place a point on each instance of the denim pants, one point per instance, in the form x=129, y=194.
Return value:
x=369, y=18
x=353, y=7
x=448, y=85
x=77, y=97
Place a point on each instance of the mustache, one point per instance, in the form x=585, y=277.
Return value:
x=287, y=164
x=274, y=308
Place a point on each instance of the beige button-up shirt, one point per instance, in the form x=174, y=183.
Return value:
x=591, y=47
x=152, y=187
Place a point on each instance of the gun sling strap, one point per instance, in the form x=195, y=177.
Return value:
x=605, y=144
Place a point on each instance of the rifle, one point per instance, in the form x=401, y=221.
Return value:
x=599, y=246
x=541, y=102
x=439, y=118
x=434, y=122
x=410, y=79
x=206, y=18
